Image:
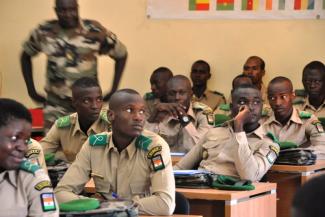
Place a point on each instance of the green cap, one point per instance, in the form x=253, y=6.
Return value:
x=220, y=119
x=79, y=205
x=231, y=183
x=287, y=144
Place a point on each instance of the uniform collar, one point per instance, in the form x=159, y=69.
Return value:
x=11, y=176
x=130, y=150
x=294, y=118
x=93, y=129
x=308, y=105
x=204, y=95
x=259, y=132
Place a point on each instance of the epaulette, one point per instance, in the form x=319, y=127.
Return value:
x=203, y=107
x=304, y=115
x=300, y=92
x=143, y=142
x=149, y=96
x=220, y=119
x=63, y=122
x=28, y=166
x=98, y=140
x=224, y=107
x=273, y=137
x=29, y=141
x=103, y=116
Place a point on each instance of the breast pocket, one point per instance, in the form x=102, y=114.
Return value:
x=140, y=189
x=101, y=185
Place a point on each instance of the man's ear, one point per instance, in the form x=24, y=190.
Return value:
x=110, y=115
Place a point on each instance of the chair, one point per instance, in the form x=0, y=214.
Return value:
x=37, y=123
x=182, y=204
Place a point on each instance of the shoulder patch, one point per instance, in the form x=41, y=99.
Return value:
x=224, y=107
x=143, y=142
x=103, y=116
x=48, y=202
x=63, y=122
x=318, y=126
x=152, y=152
x=149, y=96
x=43, y=184
x=28, y=166
x=273, y=137
x=31, y=152
x=157, y=163
x=98, y=140
x=304, y=115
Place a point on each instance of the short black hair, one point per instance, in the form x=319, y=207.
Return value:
x=312, y=66
x=309, y=199
x=244, y=86
x=85, y=82
x=203, y=63
x=11, y=109
x=238, y=77
x=117, y=95
x=260, y=59
x=280, y=79
x=162, y=70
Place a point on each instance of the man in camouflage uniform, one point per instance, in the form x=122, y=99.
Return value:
x=290, y=124
x=158, y=82
x=313, y=79
x=25, y=189
x=239, y=148
x=200, y=74
x=71, y=46
x=180, y=122
x=67, y=135
x=130, y=163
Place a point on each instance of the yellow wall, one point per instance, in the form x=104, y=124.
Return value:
x=286, y=46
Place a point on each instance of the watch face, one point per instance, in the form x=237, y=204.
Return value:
x=185, y=119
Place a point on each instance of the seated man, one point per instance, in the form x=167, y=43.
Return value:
x=254, y=67
x=158, y=82
x=129, y=163
x=239, y=148
x=67, y=135
x=180, y=122
x=200, y=74
x=313, y=79
x=25, y=189
x=35, y=153
x=288, y=123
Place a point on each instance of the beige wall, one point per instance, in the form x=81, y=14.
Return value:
x=286, y=46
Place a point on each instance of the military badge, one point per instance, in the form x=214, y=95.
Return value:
x=48, y=202
x=157, y=162
x=154, y=151
x=43, y=184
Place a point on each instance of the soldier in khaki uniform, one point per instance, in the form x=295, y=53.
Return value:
x=181, y=123
x=71, y=45
x=200, y=74
x=254, y=67
x=25, y=189
x=240, y=147
x=314, y=83
x=290, y=124
x=66, y=137
x=35, y=153
x=128, y=163
x=158, y=82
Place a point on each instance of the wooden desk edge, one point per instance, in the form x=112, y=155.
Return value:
x=320, y=164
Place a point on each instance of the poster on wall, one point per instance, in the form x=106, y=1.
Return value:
x=236, y=9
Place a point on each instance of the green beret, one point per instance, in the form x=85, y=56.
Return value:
x=79, y=205
x=231, y=183
x=287, y=144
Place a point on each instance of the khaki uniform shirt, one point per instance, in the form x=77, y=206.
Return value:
x=21, y=193
x=211, y=98
x=65, y=138
x=222, y=151
x=306, y=106
x=178, y=137
x=150, y=103
x=35, y=154
x=141, y=172
x=304, y=132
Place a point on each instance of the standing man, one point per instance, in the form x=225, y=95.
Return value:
x=290, y=124
x=254, y=67
x=71, y=46
x=240, y=147
x=158, y=82
x=200, y=74
x=129, y=163
x=180, y=122
x=25, y=189
x=313, y=79
x=67, y=135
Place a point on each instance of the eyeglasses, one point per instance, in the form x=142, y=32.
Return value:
x=310, y=81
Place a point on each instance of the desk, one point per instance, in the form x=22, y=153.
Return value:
x=260, y=202
x=289, y=179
